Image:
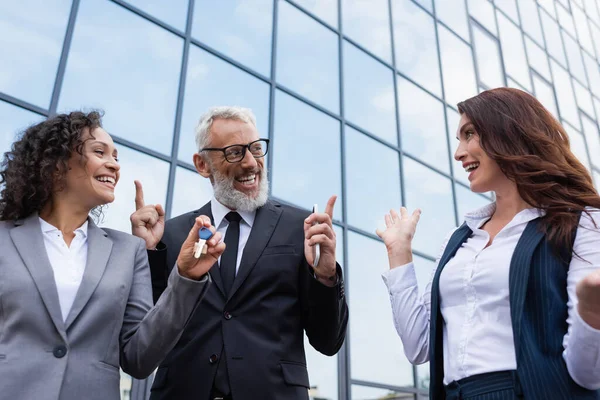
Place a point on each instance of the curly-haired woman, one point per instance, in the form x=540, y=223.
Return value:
x=76, y=299
x=513, y=307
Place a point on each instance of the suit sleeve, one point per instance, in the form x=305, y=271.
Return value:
x=325, y=312
x=159, y=272
x=149, y=333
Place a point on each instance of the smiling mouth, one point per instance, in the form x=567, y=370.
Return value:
x=471, y=167
x=247, y=180
x=107, y=179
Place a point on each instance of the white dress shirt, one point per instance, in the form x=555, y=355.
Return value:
x=219, y=211
x=474, y=301
x=68, y=262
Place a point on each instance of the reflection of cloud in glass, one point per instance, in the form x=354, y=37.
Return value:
x=583, y=32
x=488, y=58
x=545, y=94
x=483, y=11
x=213, y=82
x=415, y=45
x=529, y=17
x=13, y=121
x=327, y=10
x=307, y=57
x=191, y=192
x=31, y=39
x=454, y=14
x=553, y=40
x=548, y=5
x=584, y=98
x=578, y=146
x=139, y=95
x=591, y=67
x=307, y=167
x=173, y=12
x=574, y=57
x=369, y=102
x=371, y=324
x=367, y=22
x=564, y=93
x=592, y=136
x=596, y=175
x=467, y=201
x=513, y=51
x=565, y=19
x=510, y=8
x=538, y=58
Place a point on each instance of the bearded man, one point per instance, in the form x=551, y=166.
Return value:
x=245, y=339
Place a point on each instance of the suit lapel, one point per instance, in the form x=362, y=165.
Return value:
x=262, y=230
x=27, y=238
x=215, y=272
x=518, y=279
x=99, y=249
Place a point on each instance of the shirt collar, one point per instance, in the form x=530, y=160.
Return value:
x=219, y=211
x=476, y=218
x=47, y=228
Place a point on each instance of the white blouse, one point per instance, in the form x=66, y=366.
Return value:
x=474, y=293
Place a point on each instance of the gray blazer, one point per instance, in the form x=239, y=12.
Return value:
x=112, y=322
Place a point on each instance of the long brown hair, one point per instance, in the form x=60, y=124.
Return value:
x=532, y=149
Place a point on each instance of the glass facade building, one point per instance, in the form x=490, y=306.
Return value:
x=358, y=98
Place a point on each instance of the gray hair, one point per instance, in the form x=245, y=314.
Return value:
x=224, y=112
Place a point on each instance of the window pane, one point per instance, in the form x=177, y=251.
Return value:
x=151, y=172
x=544, y=92
x=307, y=57
x=592, y=137
x=596, y=37
x=584, y=98
x=531, y=23
x=422, y=125
x=368, y=23
x=371, y=318
x=379, y=172
x=31, y=40
x=13, y=121
x=370, y=393
x=583, y=31
x=432, y=193
x=513, y=51
x=564, y=94
x=303, y=132
x=593, y=74
x=548, y=6
x=592, y=10
x=511, y=83
x=488, y=58
x=240, y=29
x=578, y=146
x=483, y=11
x=415, y=45
x=369, y=102
x=565, y=19
x=227, y=85
x=553, y=39
x=467, y=201
x=596, y=176
x=453, y=14
x=457, y=68
x=191, y=192
x=574, y=57
x=452, y=125
x=538, y=59
x=173, y=12
x=426, y=4
x=423, y=378
x=510, y=8
x=327, y=10
x=139, y=95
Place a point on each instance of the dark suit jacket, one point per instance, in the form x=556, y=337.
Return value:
x=538, y=311
x=274, y=298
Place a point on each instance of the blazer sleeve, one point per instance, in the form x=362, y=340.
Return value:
x=325, y=312
x=149, y=333
x=159, y=272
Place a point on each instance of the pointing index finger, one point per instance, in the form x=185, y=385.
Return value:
x=329, y=206
x=139, y=195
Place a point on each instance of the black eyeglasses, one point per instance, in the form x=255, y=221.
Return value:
x=237, y=152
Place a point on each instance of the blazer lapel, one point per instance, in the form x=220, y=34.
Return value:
x=264, y=226
x=215, y=272
x=27, y=238
x=518, y=278
x=99, y=248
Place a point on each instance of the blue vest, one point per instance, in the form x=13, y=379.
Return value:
x=538, y=311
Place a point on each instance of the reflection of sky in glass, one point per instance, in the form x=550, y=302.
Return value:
x=548, y=5
x=510, y=8
x=369, y=103
x=511, y=83
x=213, y=82
x=596, y=175
x=307, y=57
x=432, y=193
x=457, y=68
x=240, y=29
x=590, y=129
x=538, y=59
x=415, y=45
x=367, y=22
x=371, y=325
x=565, y=19
x=467, y=201
x=577, y=145
x=592, y=10
x=584, y=98
x=192, y=191
x=483, y=11
x=545, y=94
x=303, y=133
x=422, y=125
x=593, y=73
x=513, y=51
x=327, y=10
x=553, y=40
x=173, y=12
x=596, y=37
x=452, y=126
x=531, y=22
x=574, y=57
x=151, y=172
x=564, y=94
x=583, y=32
x=31, y=39
x=488, y=58
x=370, y=393
x=454, y=14
x=13, y=121
x=371, y=168
x=128, y=67
x=425, y=3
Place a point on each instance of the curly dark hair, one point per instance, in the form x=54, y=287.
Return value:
x=37, y=163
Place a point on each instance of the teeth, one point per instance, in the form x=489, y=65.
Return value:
x=471, y=167
x=106, y=179
x=247, y=179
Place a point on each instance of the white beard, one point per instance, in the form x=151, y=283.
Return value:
x=232, y=198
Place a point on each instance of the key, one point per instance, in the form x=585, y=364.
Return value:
x=200, y=246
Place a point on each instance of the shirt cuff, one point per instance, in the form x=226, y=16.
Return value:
x=400, y=278
x=582, y=331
